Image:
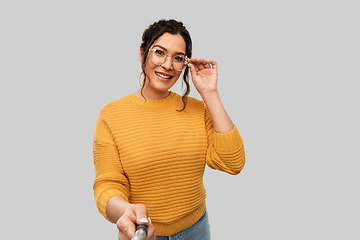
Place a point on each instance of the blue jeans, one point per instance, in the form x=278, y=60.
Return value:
x=199, y=231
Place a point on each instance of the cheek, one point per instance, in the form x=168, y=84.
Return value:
x=149, y=69
x=177, y=77
x=148, y=65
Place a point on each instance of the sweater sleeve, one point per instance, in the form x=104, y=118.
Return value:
x=110, y=179
x=225, y=150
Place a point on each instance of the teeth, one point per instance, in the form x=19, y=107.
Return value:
x=163, y=76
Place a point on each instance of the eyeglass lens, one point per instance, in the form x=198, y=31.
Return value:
x=158, y=57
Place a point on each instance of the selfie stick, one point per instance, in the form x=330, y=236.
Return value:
x=141, y=233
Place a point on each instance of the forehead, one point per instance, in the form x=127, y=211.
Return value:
x=172, y=43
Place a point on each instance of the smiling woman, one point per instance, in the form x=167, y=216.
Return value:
x=151, y=147
x=150, y=41
x=167, y=60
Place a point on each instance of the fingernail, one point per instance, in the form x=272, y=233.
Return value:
x=143, y=220
x=149, y=219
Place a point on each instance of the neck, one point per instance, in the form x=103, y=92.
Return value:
x=152, y=95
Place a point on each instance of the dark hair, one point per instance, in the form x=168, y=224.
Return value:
x=156, y=30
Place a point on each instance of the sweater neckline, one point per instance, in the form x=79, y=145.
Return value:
x=153, y=103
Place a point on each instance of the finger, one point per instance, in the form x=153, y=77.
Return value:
x=213, y=64
x=123, y=236
x=202, y=61
x=208, y=65
x=195, y=61
x=142, y=214
x=200, y=66
x=193, y=68
x=126, y=231
x=126, y=225
x=198, y=60
x=193, y=71
x=151, y=231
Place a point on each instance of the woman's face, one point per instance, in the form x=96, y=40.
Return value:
x=162, y=77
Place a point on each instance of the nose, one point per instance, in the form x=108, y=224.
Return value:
x=168, y=63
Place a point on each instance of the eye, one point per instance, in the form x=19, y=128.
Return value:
x=159, y=52
x=179, y=58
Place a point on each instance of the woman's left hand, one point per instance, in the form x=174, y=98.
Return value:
x=204, y=74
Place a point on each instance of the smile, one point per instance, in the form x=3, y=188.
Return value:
x=163, y=76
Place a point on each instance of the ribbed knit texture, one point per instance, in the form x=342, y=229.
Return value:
x=150, y=153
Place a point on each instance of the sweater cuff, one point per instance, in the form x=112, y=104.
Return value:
x=104, y=198
x=227, y=142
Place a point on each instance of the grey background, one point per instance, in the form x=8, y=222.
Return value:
x=288, y=76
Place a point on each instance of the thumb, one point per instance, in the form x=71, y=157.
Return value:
x=142, y=215
x=192, y=70
x=142, y=220
x=192, y=67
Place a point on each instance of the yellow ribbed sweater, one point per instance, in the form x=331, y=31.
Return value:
x=150, y=153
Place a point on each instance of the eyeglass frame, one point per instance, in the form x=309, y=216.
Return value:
x=172, y=58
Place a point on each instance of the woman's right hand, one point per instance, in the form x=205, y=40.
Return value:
x=134, y=215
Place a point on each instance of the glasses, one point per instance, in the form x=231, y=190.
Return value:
x=158, y=57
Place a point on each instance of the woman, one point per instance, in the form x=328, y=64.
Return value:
x=151, y=147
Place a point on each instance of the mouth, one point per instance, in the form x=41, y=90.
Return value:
x=163, y=75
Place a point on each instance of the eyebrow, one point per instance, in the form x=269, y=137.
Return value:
x=177, y=53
